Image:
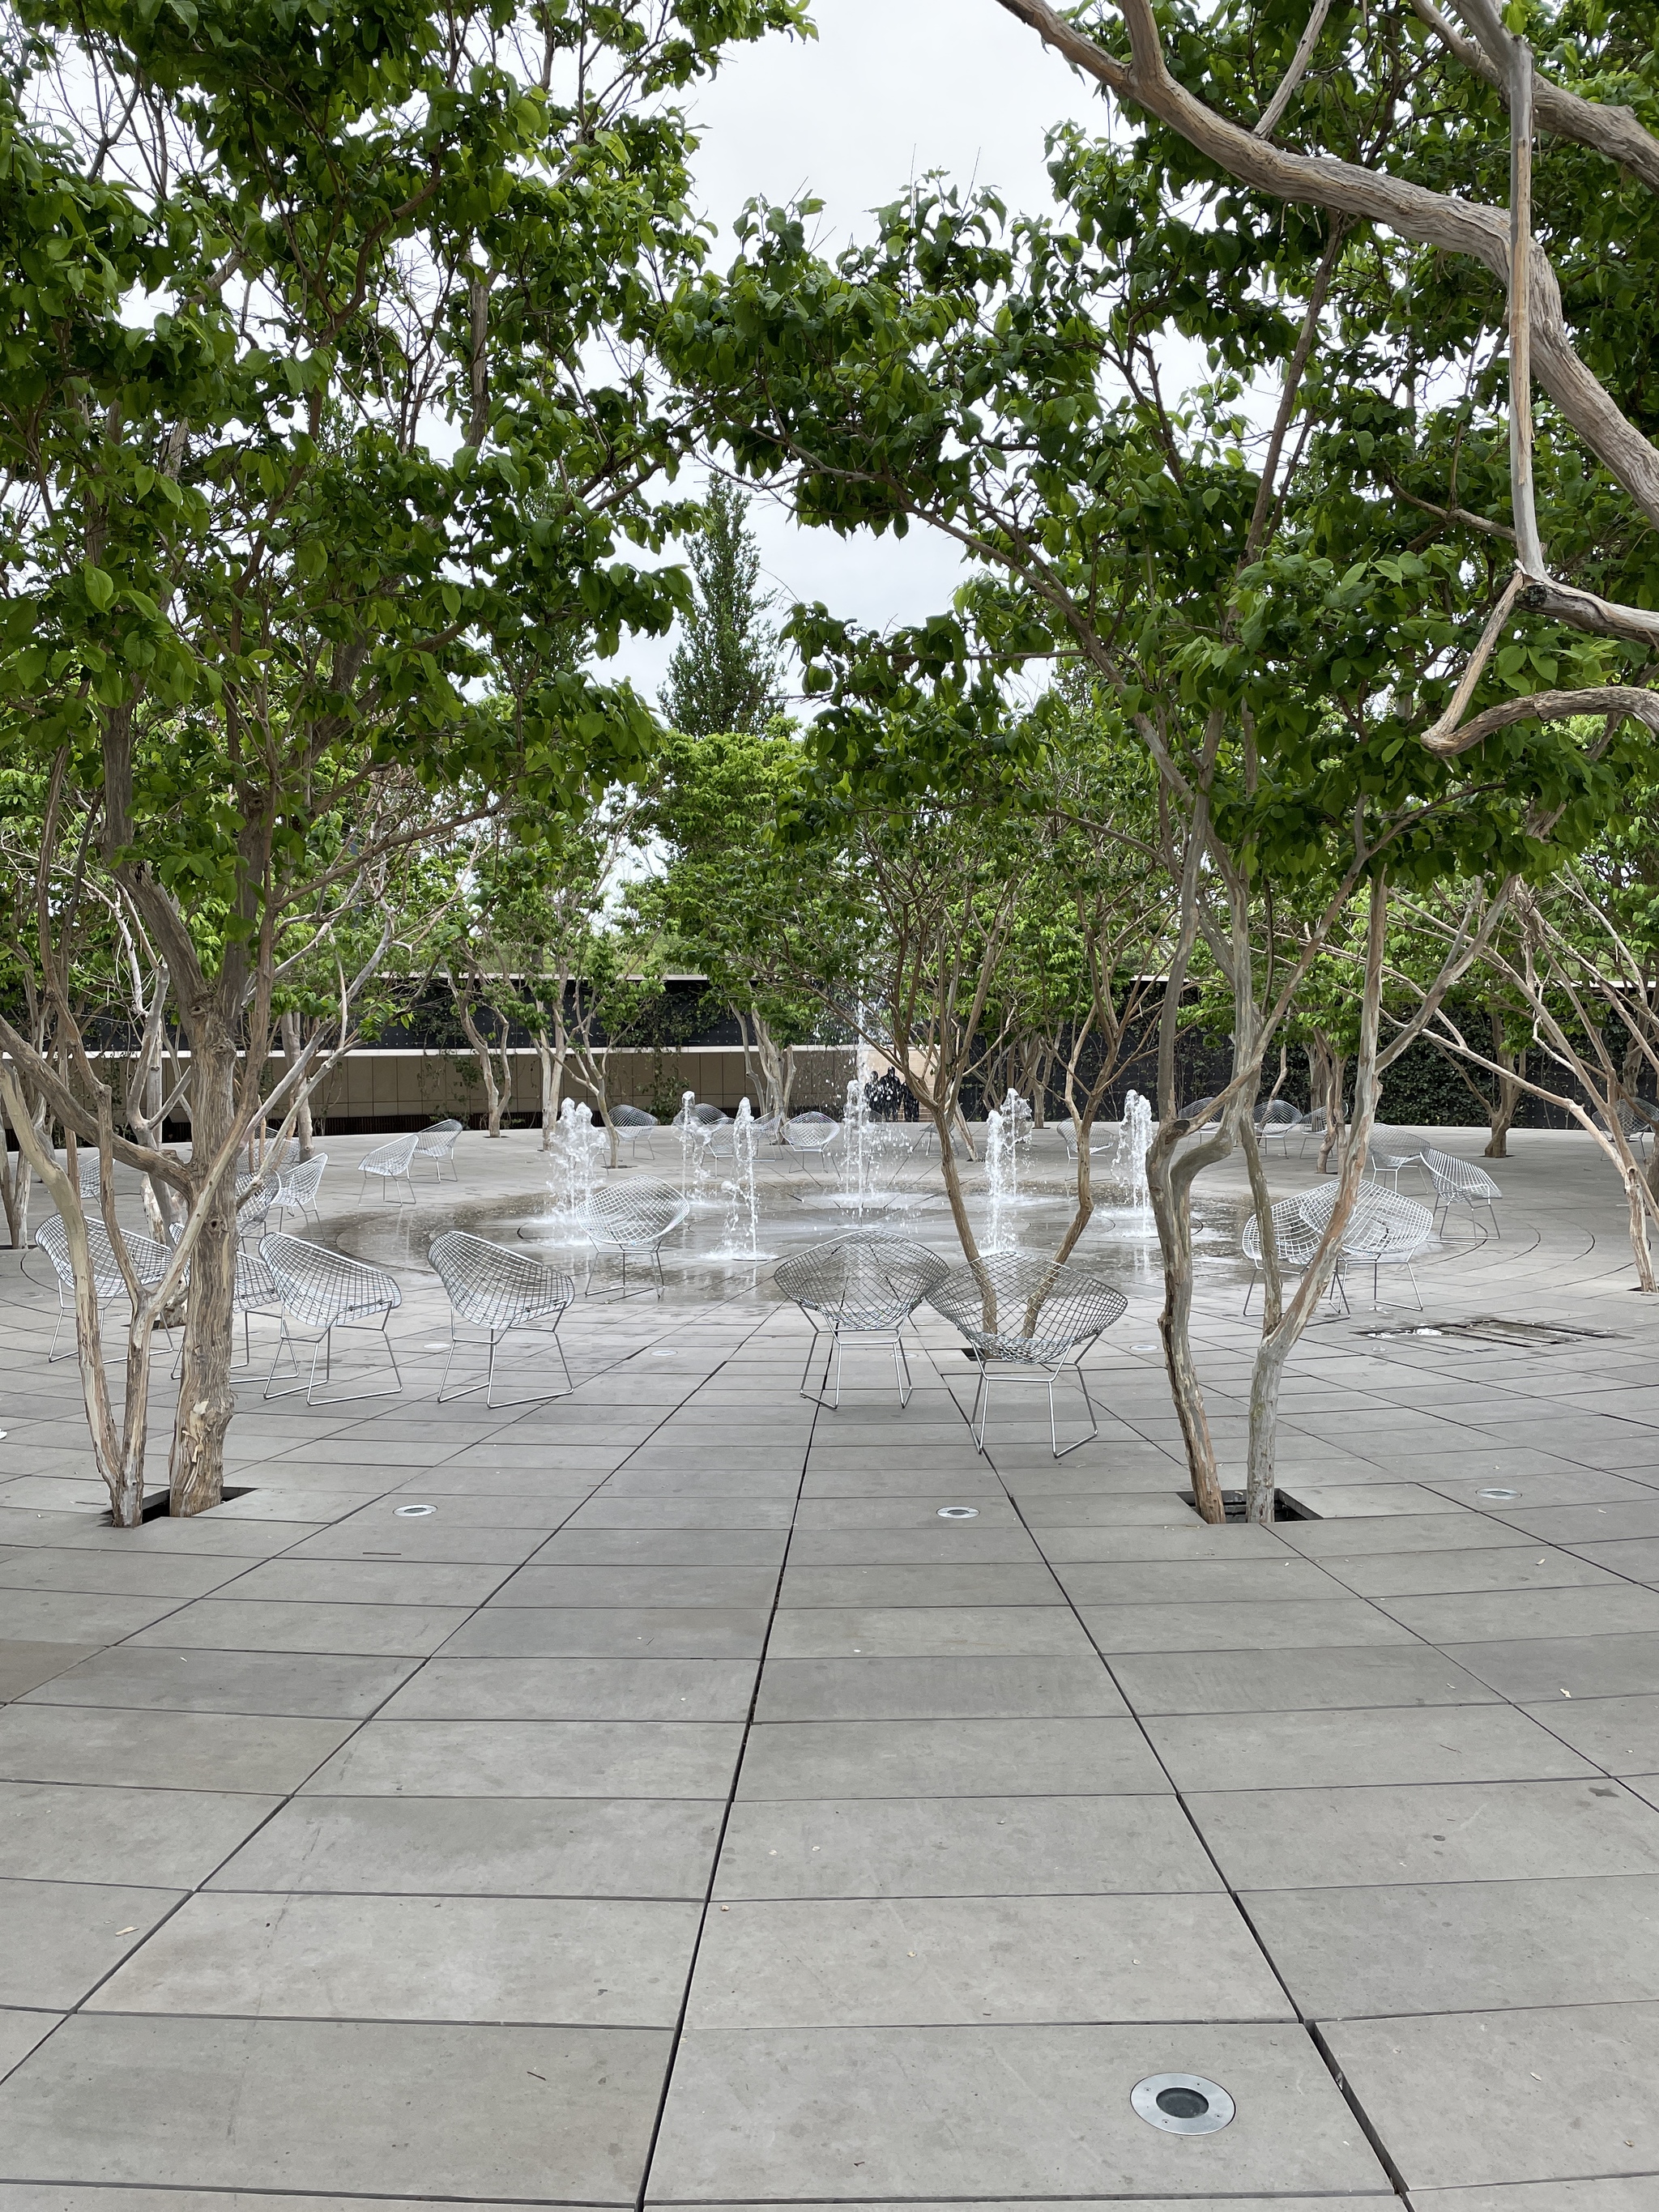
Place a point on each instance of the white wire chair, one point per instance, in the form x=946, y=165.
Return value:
x=1460, y=1183
x=321, y=1291
x=1384, y=1230
x=89, y=1172
x=862, y=1286
x=498, y=1290
x=633, y=1220
x=1379, y=1163
x=436, y=1143
x=1068, y=1131
x=254, y=1290
x=1043, y=1319
x=255, y=1195
x=297, y=1187
x=808, y=1136
x=1311, y=1129
x=391, y=1164
x=150, y=1261
x=633, y=1125
x=1634, y=1120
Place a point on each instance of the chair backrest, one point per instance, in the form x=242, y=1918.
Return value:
x=489, y=1285
x=864, y=1281
x=150, y=1261
x=1277, y=1113
x=88, y=1171
x=1455, y=1178
x=321, y=1287
x=810, y=1132
x=300, y=1184
x=636, y=1213
x=633, y=1117
x=1387, y=1225
x=447, y=1127
x=1039, y=1311
x=391, y=1159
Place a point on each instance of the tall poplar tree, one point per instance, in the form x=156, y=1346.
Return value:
x=724, y=675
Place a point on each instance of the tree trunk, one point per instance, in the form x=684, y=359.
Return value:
x=197, y=1472
x=1171, y=1207
x=303, y=1128
x=483, y=1054
x=1277, y=1343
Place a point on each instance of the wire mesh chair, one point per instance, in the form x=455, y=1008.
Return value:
x=297, y=1187
x=633, y=1220
x=808, y=1136
x=1379, y=1163
x=1275, y=1114
x=392, y=1163
x=1311, y=1129
x=254, y=1290
x=436, y=1143
x=1635, y=1121
x=1281, y=1129
x=1068, y=1131
x=1384, y=1231
x=1043, y=1320
x=1460, y=1184
x=150, y=1261
x=322, y=1290
x=255, y=1195
x=633, y=1125
x=862, y=1286
x=89, y=1173
x=498, y=1290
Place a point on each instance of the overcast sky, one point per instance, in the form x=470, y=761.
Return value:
x=888, y=89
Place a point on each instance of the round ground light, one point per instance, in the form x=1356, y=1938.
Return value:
x=1497, y=1492
x=1181, y=2104
x=413, y=1512
x=958, y=1512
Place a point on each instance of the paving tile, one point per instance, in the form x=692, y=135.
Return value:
x=580, y=1962
x=72, y=1616
x=927, y=1631
x=1444, y=1832
x=1308, y=1750
x=896, y=1962
x=1236, y=1544
x=1621, y=1734
x=936, y=1583
x=993, y=2112
x=577, y=1690
x=23, y=1665
x=526, y=1847
x=317, y=1685
x=592, y=1632
x=271, y=1625
x=948, y=1758
x=1470, y=2098
x=960, y=1847
x=589, y=1546
x=1292, y=1680
x=604, y=1511
x=938, y=1689
x=1498, y=1617
x=1239, y=1626
x=86, y=1833
x=59, y=1939
x=1463, y=1946
x=644, y=1587
x=146, y=1575
x=563, y=2115
x=1565, y=1666
x=533, y=1758
x=20, y=2033
x=1198, y=1582
x=1350, y=1538
x=370, y=1581
x=1634, y=2195
x=162, y=1751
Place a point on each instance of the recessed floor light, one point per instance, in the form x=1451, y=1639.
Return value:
x=958, y=1512
x=413, y=1512
x=1498, y=1491
x=1182, y=2104
x=434, y=1347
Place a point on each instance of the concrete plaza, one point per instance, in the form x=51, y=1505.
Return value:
x=682, y=1811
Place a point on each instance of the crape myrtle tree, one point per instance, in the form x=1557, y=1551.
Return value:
x=1281, y=642
x=320, y=435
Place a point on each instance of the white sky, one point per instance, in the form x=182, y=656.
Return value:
x=889, y=90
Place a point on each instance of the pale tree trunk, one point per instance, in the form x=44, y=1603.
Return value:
x=1500, y=1118
x=483, y=1052
x=1337, y=1063
x=1278, y=1340
x=303, y=1128
x=16, y=1168
x=118, y=1446
x=196, y=1474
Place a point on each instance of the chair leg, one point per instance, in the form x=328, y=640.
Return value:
x=806, y=1372
x=906, y=1386
x=981, y=1397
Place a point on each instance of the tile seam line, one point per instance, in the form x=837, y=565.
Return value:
x=288, y=1796
x=677, y=2033
x=1361, y=2117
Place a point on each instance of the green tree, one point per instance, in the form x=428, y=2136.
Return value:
x=724, y=675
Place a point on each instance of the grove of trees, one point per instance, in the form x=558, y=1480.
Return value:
x=367, y=375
